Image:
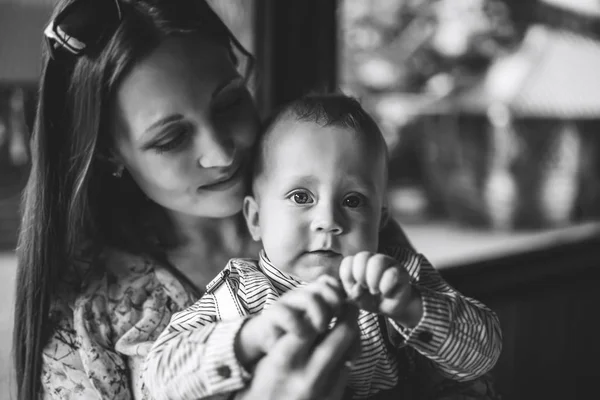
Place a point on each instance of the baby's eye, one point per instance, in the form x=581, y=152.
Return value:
x=353, y=201
x=301, y=197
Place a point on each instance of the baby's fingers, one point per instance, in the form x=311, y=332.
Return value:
x=376, y=266
x=359, y=267
x=346, y=274
x=390, y=282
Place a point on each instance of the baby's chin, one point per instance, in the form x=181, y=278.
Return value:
x=309, y=272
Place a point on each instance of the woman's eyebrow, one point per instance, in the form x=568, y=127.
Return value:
x=229, y=83
x=237, y=81
x=161, y=122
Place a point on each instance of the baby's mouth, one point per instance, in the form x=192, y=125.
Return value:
x=323, y=261
x=325, y=253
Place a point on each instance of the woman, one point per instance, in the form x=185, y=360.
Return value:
x=143, y=133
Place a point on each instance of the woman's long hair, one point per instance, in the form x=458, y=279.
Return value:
x=71, y=198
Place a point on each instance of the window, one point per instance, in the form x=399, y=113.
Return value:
x=489, y=122
x=239, y=17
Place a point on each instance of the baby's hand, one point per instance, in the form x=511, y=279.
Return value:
x=379, y=284
x=305, y=311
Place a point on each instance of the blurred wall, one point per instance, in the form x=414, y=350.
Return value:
x=21, y=26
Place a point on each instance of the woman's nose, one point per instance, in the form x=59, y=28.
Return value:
x=327, y=220
x=215, y=149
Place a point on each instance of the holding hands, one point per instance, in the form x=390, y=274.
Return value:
x=303, y=368
x=305, y=312
x=380, y=284
x=288, y=343
x=374, y=282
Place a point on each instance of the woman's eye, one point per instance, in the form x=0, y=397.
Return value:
x=301, y=198
x=353, y=201
x=170, y=142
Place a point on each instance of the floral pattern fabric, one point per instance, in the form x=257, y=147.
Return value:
x=103, y=328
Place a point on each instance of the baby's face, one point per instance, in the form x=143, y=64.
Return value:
x=319, y=198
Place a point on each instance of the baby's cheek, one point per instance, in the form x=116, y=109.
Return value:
x=284, y=235
x=283, y=238
x=365, y=237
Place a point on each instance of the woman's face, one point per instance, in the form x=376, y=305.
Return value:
x=184, y=128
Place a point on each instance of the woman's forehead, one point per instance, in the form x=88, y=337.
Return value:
x=182, y=74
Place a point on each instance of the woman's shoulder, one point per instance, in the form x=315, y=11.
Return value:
x=108, y=309
x=109, y=269
x=113, y=291
x=93, y=271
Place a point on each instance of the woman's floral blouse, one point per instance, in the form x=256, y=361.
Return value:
x=105, y=326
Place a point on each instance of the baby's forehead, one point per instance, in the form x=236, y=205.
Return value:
x=290, y=127
x=291, y=140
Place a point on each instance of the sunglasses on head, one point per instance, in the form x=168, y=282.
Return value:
x=82, y=26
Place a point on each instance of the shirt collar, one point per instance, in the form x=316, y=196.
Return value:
x=275, y=274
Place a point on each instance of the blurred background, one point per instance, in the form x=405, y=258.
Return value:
x=491, y=111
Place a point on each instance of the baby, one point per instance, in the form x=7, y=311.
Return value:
x=318, y=203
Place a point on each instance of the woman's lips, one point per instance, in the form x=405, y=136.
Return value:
x=227, y=182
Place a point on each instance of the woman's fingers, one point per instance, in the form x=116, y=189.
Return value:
x=319, y=302
x=291, y=320
x=297, y=368
x=337, y=347
x=280, y=374
x=291, y=351
x=350, y=315
x=339, y=385
x=330, y=290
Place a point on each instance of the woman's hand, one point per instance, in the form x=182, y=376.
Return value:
x=304, y=312
x=304, y=368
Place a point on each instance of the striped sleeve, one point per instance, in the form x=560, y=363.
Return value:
x=461, y=335
x=194, y=357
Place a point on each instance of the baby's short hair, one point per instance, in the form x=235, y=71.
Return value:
x=331, y=109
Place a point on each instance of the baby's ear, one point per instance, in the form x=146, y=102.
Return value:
x=385, y=217
x=251, y=215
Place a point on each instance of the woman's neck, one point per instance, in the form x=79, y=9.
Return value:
x=206, y=244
